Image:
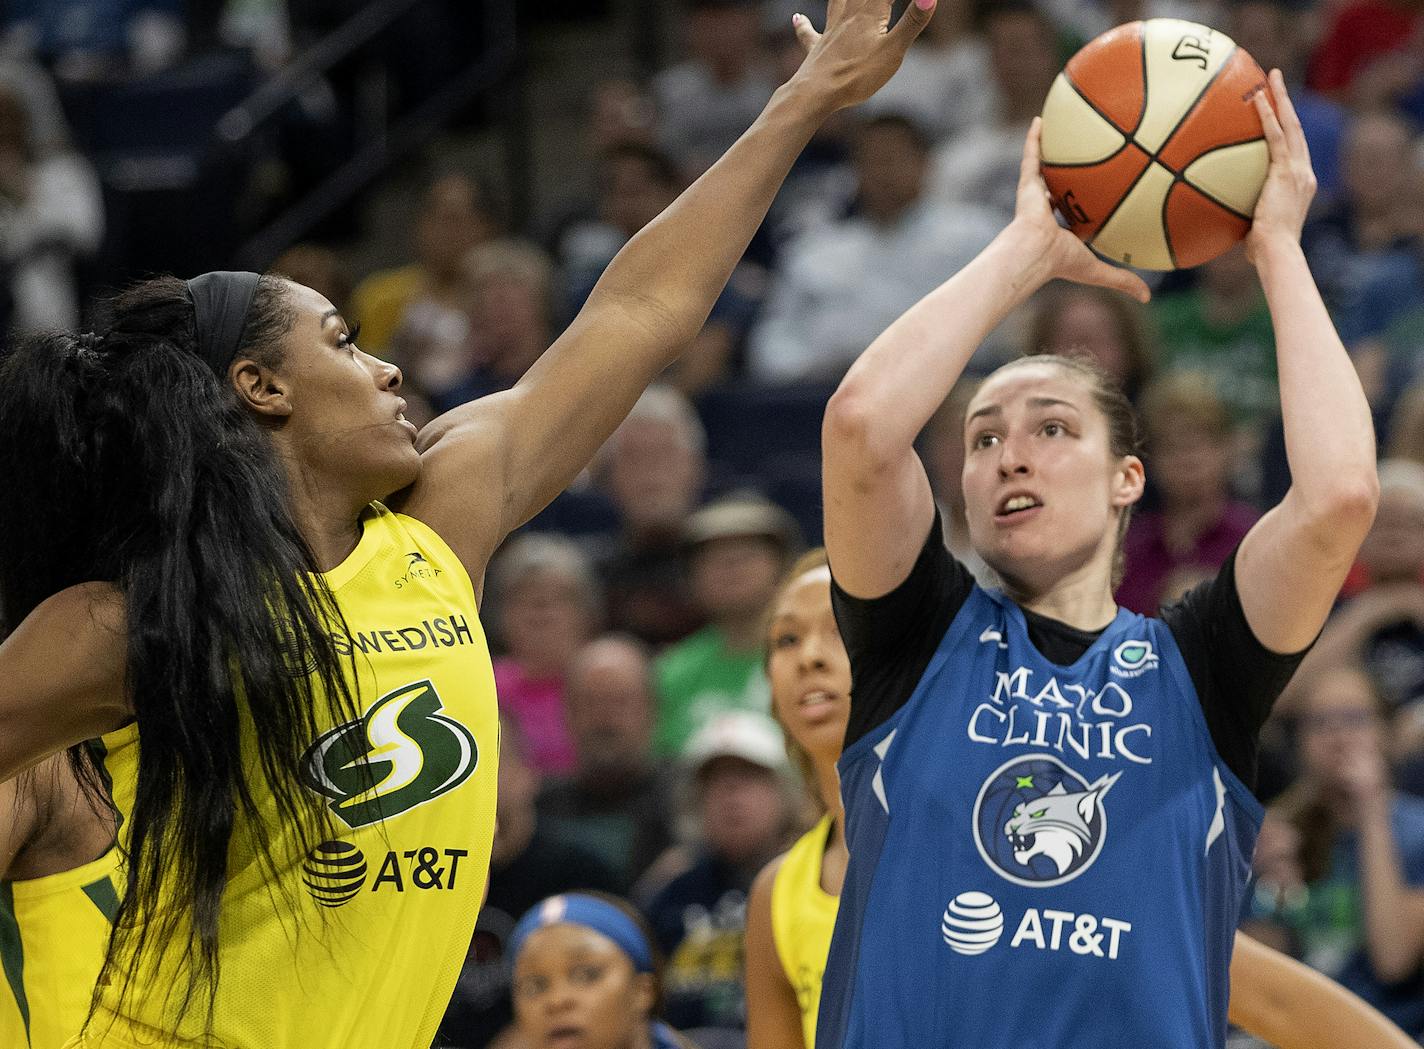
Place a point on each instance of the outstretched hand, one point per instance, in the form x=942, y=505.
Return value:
x=1057, y=251
x=859, y=50
x=1290, y=181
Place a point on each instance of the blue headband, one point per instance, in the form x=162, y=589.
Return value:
x=221, y=300
x=576, y=908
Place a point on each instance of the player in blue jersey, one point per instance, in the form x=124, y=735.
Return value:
x=1047, y=797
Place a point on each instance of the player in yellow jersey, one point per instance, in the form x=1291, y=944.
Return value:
x=58, y=895
x=793, y=904
x=289, y=676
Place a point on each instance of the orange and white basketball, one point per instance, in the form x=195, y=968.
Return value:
x=1152, y=148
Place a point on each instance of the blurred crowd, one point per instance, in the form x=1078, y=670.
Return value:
x=638, y=755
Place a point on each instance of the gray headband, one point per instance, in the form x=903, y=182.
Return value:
x=221, y=301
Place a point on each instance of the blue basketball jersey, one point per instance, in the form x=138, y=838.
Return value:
x=1041, y=857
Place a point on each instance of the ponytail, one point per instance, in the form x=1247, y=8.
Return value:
x=131, y=461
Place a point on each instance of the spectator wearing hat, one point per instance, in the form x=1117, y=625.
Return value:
x=745, y=811
x=618, y=800
x=736, y=549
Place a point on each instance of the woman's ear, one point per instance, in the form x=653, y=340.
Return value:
x=261, y=389
x=1129, y=482
x=645, y=993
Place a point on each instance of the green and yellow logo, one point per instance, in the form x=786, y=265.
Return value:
x=400, y=754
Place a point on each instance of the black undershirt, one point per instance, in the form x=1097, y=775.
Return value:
x=891, y=639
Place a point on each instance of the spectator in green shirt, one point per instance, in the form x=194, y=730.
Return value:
x=737, y=550
x=1222, y=328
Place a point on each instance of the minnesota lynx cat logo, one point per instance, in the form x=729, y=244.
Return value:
x=1039, y=823
x=400, y=754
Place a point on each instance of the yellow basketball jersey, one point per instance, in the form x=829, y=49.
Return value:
x=53, y=934
x=386, y=908
x=803, y=916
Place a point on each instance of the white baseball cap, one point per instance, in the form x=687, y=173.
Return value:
x=754, y=738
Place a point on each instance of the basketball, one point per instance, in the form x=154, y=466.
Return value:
x=1152, y=148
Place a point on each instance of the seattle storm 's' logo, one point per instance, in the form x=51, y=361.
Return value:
x=400, y=754
x=1038, y=823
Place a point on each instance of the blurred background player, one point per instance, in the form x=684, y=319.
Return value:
x=586, y=970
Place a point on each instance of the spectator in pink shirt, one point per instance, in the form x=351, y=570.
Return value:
x=547, y=604
x=1197, y=523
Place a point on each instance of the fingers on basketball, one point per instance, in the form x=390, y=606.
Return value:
x=1117, y=279
x=1030, y=168
x=1289, y=119
x=1270, y=126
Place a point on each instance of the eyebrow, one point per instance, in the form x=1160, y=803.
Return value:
x=333, y=312
x=1033, y=402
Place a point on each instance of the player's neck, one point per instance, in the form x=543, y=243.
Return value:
x=328, y=520
x=836, y=855
x=1082, y=599
x=828, y=786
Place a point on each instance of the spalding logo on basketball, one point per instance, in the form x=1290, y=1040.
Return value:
x=972, y=923
x=1152, y=148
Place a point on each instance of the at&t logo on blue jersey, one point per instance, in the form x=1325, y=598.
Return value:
x=973, y=924
x=1038, y=823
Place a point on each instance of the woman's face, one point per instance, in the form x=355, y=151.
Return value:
x=507, y=322
x=1393, y=550
x=1042, y=491
x=342, y=419
x=808, y=667
x=574, y=988
x=744, y=809
x=734, y=576
x=1190, y=464
x=545, y=619
x=1339, y=724
x=1086, y=326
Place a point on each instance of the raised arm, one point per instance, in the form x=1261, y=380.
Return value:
x=878, y=502
x=1292, y=563
x=529, y=443
x=1292, y=1006
x=62, y=676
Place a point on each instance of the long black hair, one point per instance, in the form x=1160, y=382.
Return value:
x=129, y=460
